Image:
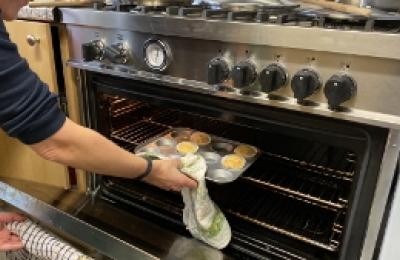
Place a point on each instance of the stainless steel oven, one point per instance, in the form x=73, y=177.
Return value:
x=319, y=101
x=308, y=197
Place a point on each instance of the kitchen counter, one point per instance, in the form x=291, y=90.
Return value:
x=100, y=227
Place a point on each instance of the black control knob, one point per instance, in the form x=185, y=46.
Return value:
x=116, y=53
x=339, y=89
x=93, y=51
x=272, y=78
x=217, y=71
x=244, y=74
x=305, y=83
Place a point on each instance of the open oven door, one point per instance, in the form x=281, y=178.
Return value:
x=81, y=220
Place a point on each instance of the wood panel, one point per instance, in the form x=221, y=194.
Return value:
x=17, y=160
x=40, y=56
x=71, y=81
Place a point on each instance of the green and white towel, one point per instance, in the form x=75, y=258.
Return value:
x=202, y=217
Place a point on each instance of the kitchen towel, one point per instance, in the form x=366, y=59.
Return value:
x=40, y=245
x=202, y=217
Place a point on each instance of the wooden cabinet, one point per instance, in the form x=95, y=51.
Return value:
x=34, y=41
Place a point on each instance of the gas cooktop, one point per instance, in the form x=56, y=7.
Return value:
x=285, y=13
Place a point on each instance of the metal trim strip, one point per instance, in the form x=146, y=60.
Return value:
x=385, y=178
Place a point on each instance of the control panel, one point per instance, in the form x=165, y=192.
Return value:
x=287, y=77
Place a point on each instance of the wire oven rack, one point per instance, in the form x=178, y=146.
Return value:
x=309, y=223
x=303, y=189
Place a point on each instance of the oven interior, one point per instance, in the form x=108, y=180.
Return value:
x=293, y=203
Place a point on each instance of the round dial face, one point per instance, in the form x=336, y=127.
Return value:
x=157, y=55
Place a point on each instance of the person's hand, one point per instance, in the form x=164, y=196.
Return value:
x=8, y=240
x=166, y=175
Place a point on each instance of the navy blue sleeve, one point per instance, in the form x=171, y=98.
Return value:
x=28, y=110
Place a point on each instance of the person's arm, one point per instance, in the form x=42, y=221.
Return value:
x=30, y=112
x=83, y=148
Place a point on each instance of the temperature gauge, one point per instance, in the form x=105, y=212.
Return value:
x=157, y=54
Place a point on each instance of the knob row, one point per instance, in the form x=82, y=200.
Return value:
x=338, y=89
x=96, y=50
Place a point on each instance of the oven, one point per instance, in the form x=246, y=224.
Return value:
x=326, y=122
x=320, y=187
x=307, y=197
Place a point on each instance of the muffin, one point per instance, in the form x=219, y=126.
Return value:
x=187, y=147
x=200, y=138
x=247, y=151
x=233, y=162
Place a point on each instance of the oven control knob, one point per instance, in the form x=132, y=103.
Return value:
x=244, y=74
x=93, y=50
x=272, y=78
x=217, y=71
x=339, y=89
x=117, y=53
x=305, y=83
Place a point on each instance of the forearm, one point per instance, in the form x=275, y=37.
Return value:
x=83, y=148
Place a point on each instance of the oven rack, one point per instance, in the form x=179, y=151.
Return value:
x=312, y=225
x=122, y=108
x=320, y=169
x=321, y=227
x=295, y=194
x=310, y=157
x=162, y=120
x=175, y=118
x=253, y=176
x=138, y=132
x=271, y=173
x=294, y=180
x=332, y=246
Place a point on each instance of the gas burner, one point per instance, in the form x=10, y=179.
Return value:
x=378, y=21
x=148, y=9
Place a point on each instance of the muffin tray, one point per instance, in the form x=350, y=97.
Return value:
x=214, y=149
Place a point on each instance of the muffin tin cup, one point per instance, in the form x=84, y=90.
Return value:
x=212, y=159
x=222, y=175
x=166, y=143
x=222, y=148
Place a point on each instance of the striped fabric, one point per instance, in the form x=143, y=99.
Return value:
x=40, y=245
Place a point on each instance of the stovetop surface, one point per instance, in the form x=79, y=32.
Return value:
x=285, y=13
